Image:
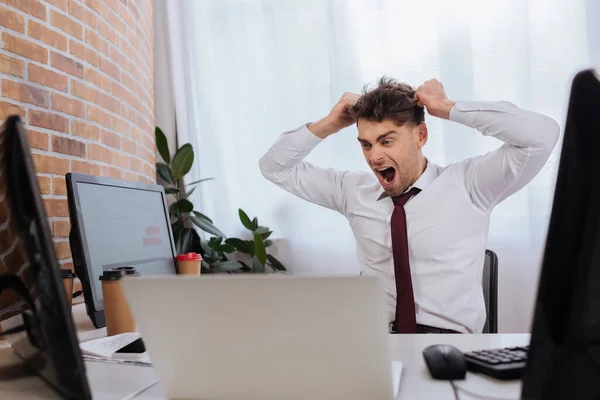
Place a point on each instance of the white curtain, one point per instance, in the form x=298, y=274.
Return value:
x=247, y=70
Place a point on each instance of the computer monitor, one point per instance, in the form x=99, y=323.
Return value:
x=117, y=223
x=33, y=303
x=564, y=353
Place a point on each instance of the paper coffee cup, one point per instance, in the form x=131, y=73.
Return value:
x=116, y=310
x=189, y=264
x=68, y=277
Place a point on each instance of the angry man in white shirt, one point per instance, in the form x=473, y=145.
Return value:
x=447, y=221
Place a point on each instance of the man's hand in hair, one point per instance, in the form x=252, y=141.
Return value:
x=337, y=119
x=432, y=96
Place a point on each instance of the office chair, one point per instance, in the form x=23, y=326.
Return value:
x=490, y=291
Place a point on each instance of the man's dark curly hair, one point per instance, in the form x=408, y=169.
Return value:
x=390, y=100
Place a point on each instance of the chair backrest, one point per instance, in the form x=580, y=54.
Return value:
x=490, y=291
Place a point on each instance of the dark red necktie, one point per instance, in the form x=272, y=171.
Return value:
x=406, y=321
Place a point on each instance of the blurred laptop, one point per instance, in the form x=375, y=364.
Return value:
x=34, y=313
x=267, y=338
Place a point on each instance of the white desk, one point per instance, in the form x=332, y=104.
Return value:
x=415, y=384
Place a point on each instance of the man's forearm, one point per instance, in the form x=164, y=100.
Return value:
x=322, y=128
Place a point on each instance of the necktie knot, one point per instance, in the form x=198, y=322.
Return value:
x=404, y=197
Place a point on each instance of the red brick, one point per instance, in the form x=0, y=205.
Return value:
x=111, y=172
x=68, y=146
x=66, y=64
x=129, y=176
x=84, y=91
x=47, y=78
x=97, y=115
x=38, y=140
x=136, y=164
x=8, y=109
x=85, y=130
x=108, y=32
x=59, y=186
x=50, y=165
x=146, y=155
x=110, y=68
x=46, y=35
x=31, y=7
x=25, y=93
x=127, y=17
x=120, y=92
x=121, y=160
x=118, y=24
x=109, y=103
x=83, y=52
x=48, y=121
x=24, y=47
x=118, y=58
x=121, y=126
x=66, y=24
x=114, y=4
x=150, y=171
x=12, y=20
x=61, y=229
x=129, y=146
x=76, y=9
x=130, y=115
x=90, y=19
x=111, y=139
x=63, y=249
x=44, y=182
x=98, y=78
x=97, y=42
x=83, y=167
x=99, y=7
x=68, y=105
x=100, y=153
x=62, y=4
x=11, y=66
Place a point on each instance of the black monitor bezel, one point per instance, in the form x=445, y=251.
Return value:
x=78, y=237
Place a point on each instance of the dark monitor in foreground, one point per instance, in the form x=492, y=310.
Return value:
x=116, y=223
x=564, y=353
x=33, y=304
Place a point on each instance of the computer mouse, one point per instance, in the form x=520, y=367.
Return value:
x=445, y=362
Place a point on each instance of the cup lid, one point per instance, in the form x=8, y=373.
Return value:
x=117, y=273
x=67, y=273
x=189, y=257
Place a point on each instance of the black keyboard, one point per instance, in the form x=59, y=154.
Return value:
x=507, y=363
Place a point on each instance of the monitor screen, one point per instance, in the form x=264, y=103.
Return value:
x=33, y=303
x=117, y=223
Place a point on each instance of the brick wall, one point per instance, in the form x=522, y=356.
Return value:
x=81, y=75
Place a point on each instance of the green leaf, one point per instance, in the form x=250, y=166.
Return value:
x=275, y=263
x=257, y=266
x=162, y=145
x=227, y=266
x=174, y=210
x=188, y=194
x=185, y=240
x=165, y=173
x=183, y=160
x=226, y=248
x=239, y=245
x=264, y=232
x=171, y=190
x=255, y=223
x=268, y=243
x=206, y=226
x=184, y=205
x=246, y=220
x=202, y=216
x=259, y=248
x=199, y=181
x=208, y=251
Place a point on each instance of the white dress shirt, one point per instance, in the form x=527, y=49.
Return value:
x=447, y=221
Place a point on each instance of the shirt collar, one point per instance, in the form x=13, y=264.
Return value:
x=425, y=179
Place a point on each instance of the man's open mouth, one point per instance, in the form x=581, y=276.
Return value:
x=386, y=173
